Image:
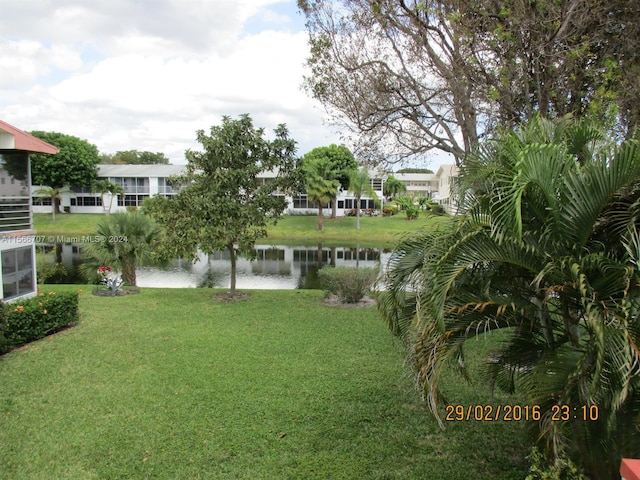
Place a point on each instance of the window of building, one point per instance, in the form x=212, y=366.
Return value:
x=17, y=272
x=86, y=202
x=300, y=201
x=131, y=200
x=164, y=188
x=15, y=199
x=41, y=200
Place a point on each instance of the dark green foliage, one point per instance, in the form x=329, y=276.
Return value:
x=414, y=170
x=349, y=284
x=547, y=250
x=224, y=204
x=75, y=165
x=134, y=157
x=339, y=158
x=126, y=240
x=4, y=343
x=25, y=321
x=393, y=187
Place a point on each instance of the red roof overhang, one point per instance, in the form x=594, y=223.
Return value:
x=12, y=138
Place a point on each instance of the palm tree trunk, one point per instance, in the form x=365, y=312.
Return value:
x=320, y=216
x=358, y=205
x=232, y=256
x=129, y=276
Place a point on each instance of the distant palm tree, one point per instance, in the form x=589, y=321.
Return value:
x=393, y=187
x=55, y=194
x=321, y=184
x=123, y=241
x=360, y=184
x=548, y=251
x=113, y=189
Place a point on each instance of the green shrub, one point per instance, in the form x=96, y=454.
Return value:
x=27, y=320
x=562, y=468
x=389, y=210
x=350, y=284
x=436, y=208
x=4, y=343
x=412, y=211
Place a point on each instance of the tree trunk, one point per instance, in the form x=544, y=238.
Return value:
x=358, y=205
x=319, y=216
x=129, y=276
x=232, y=257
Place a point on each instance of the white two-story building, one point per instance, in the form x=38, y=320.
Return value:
x=140, y=182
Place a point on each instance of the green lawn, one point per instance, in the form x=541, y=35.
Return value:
x=290, y=230
x=171, y=384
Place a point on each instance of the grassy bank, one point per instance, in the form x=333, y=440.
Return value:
x=290, y=230
x=171, y=384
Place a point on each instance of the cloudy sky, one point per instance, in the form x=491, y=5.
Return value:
x=146, y=74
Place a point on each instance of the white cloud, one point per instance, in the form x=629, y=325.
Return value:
x=147, y=75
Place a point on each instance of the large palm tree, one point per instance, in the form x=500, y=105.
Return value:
x=321, y=184
x=547, y=250
x=123, y=241
x=360, y=184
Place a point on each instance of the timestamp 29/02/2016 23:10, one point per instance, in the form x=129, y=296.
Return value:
x=516, y=413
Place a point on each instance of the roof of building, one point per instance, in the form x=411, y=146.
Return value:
x=12, y=138
x=155, y=170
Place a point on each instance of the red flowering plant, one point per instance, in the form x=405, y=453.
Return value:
x=106, y=278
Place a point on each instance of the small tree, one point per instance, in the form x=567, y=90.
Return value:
x=106, y=187
x=340, y=162
x=394, y=187
x=55, y=194
x=360, y=184
x=321, y=184
x=224, y=204
x=123, y=241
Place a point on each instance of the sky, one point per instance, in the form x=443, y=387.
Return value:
x=147, y=74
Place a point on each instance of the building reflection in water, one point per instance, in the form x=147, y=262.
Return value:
x=274, y=267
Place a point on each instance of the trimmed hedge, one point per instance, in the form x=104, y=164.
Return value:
x=28, y=320
x=350, y=284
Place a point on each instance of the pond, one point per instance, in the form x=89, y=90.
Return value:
x=275, y=267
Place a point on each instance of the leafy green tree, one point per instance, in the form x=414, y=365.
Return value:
x=320, y=183
x=75, y=165
x=124, y=241
x=134, y=157
x=548, y=251
x=224, y=205
x=394, y=187
x=340, y=163
x=414, y=170
x=360, y=185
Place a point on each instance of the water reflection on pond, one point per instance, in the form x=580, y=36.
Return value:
x=276, y=267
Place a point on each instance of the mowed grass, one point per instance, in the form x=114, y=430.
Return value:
x=290, y=229
x=171, y=384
